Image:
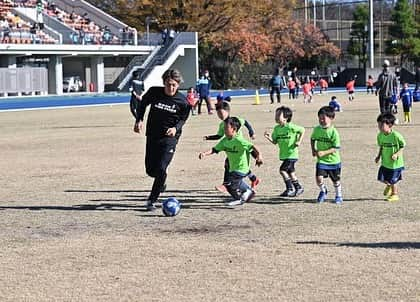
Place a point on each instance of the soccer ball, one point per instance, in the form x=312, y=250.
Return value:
x=171, y=207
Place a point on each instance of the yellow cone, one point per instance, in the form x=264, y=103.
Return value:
x=257, y=98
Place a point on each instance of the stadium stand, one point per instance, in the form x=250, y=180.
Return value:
x=44, y=43
x=15, y=29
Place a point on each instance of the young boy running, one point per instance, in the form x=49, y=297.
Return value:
x=223, y=112
x=391, y=145
x=288, y=137
x=238, y=151
x=325, y=145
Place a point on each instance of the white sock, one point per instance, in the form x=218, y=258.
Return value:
x=323, y=187
x=337, y=188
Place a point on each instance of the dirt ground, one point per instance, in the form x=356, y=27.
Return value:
x=73, y=226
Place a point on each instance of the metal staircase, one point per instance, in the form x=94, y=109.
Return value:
x=158, y=57
x=137, y=63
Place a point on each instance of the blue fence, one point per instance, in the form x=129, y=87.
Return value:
x=43, y=102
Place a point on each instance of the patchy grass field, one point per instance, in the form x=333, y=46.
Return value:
x=73, y=226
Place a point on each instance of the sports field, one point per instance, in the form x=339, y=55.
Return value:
x=73, y=226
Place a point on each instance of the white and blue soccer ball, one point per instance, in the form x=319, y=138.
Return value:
x=171, y=207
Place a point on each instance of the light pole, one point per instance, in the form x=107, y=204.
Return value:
x=149, y=20
x=371, y=37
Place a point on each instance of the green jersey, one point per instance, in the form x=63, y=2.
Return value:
x=327, y=138
x=391, y=144
x=286, y=137
x=221, y=130
x=237, y=150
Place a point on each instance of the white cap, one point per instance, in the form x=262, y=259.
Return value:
x=386, y=63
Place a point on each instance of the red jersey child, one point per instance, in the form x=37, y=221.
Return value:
x=350, y=89
x=292, y=88
x=313, y=85
x=192, y=99
x=307, y=93
x=323, y=85
x=369, y=84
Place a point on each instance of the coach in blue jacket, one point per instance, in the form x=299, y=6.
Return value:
x=203, y=88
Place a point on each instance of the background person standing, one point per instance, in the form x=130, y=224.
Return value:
x=168, y=112
x=136, y=88
x=203, y=89
x=275, y=85
x=386, y=87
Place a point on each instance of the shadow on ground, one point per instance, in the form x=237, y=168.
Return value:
x=384, y=245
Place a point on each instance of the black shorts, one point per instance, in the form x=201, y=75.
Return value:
x=389, y=176
x=334, y=174
x=288, y=165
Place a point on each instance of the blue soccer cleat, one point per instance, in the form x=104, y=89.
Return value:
x=338, y=199
x=322, y=196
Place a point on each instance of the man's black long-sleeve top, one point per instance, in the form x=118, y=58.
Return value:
x=165, y=112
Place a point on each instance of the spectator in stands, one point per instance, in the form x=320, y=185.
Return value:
x=18, y=2
x=131, y=36
x=107, y=35
x=164, y=36
x=74, y=36
x=34, y=31
x=85, y=18
x=92, y=26
x=124, y=36
x=81, y=36
x=60, y=16
x=17, y=21
x=72, y=16
x=39, y=9
x=5, y=29
x=89, y=38
x=52, y=7
x=171, y=35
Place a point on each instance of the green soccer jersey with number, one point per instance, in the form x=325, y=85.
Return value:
x=391, y=144
x=237, y=150
x=286, y=137
x=327, y=138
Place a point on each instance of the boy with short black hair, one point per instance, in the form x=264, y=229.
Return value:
x=238, y=151
x=288, y=137
x=325, y=145
x=335, y=104
x=223, y=112
x=391, y=145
